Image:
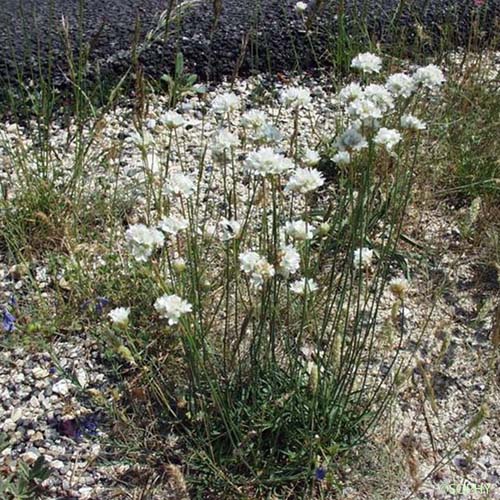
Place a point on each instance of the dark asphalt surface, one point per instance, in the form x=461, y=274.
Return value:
x=31, y=29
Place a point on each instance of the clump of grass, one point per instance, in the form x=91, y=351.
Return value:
x=468, y=126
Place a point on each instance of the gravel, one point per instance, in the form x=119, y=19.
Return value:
x=46, y=411
x=275, y=34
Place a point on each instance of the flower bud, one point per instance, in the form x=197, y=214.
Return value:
x=324, y=229
x=179, y=265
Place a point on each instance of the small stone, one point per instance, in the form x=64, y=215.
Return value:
x=81, y=376
x=85, y=492
x=37, y=436
x=30, y=456
x=57, y=464
x=9, y=425
x=62, y=388
x=34, y=402
x=485, y=440
x=40, y=373
x=16, y=414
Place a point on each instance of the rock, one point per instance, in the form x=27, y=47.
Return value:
x=9, y=425
x=82, y=377
x=40, y=373
x=30, y=456
x=62, y=387
x=57, y=464
x=16, y=414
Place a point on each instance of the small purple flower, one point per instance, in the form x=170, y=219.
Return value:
x=8, y=321
x=101, y=303
x=78, y=428
x=320, y=473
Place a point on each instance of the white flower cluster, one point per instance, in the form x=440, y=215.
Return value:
x=304, y=180
x=288, y=261
x=172, y=307
x=119, y=316
x=258, y=128
x=362, y=258
x=266, y=162
x=300, y=7
x=299, y=230
x=224, y=142
x=303, y=286
x=411, y=122
x=179, y=184
x=173, y=224
x=143, y=240
x=367, y=63
x=400, y=85
x=225, y=103
x=296, y=97
x=254, y=119
x=387, y=137
x=229, y=229
x=370, y=104
x=429, y=76
x=172, y=120
x=256, y=266
x=367, y=106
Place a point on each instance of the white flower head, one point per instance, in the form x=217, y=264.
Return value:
x=172, y=307
x=299, y=230
x=311, y=157
x=253, y=119
x=173, y=224
x=342, y=158
x=362, y=258
x=400, y=85
x=119, y=316
x=180, y=184
x=248, y=261
x=267, y=134
x=266, y=162
x=379, y=96
x=229, y=229
x=350, y=92
x=367, y=63
x=399, y=287
x=300, y=7
x=305, y=180
x=172, y=120
x=429, y=76
x=387, y=137
x=295, y=97
x=143, y=241
x=142, y=139
x=364, y=109
x=411, y=122
x=256, y=266
x=288, y=261
x=224, y=141
x=225, y=103
x=303, y=286
x=351, y=139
